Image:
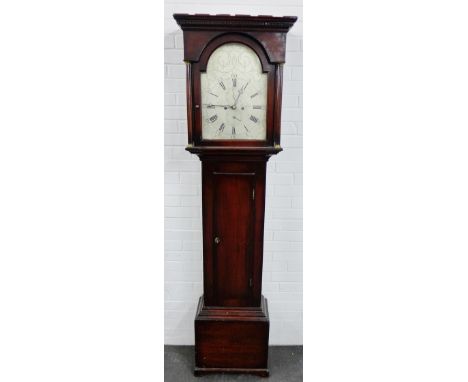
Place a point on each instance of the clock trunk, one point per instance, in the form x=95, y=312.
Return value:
x=233, y=215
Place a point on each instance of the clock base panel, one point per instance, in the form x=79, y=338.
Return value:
x=199, y=371
x=232, y=340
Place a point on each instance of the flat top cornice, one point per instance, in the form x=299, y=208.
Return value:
x=234, y=22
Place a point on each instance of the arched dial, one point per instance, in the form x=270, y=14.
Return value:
x=234, y=95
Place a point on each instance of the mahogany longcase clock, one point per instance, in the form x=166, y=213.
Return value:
x=234, y=87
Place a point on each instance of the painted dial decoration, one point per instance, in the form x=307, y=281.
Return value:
x=234, y=94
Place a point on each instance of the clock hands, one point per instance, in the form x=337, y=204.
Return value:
x=210, y=105
x=232, y=107
x=236, y=99
x=241, y=90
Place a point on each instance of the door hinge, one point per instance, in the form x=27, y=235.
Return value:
x=250, y=282
x=253, y=194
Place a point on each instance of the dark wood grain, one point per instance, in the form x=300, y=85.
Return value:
x=201, y=29
x=261, y=23
x=233, y=219
x=277, y=104
x=231, y=340
x=190, y=109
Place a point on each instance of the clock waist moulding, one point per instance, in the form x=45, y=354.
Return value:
x=234, y=69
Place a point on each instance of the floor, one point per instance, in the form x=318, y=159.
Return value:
x=285, y=363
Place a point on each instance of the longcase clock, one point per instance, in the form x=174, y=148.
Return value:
x=234, y=87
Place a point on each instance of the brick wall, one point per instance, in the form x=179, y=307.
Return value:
x=282, y=273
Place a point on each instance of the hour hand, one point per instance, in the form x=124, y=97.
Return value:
x=211, y=105
x=236, y=118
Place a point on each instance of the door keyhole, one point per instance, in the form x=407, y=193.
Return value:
x=217, y=240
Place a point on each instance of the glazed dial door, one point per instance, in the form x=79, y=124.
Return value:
x=234, y=95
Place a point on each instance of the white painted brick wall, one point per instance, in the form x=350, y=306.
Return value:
x=282, y=273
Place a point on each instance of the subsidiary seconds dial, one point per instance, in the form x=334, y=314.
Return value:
x=234, y=91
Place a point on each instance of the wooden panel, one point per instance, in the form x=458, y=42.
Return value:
x=189, y=102
x=277, y=104
x=226, y=342
x=233, y=223
x=199, y=30
x=232, y=344
x=258, y=230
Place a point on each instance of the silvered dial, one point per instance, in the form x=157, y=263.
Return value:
x=234, y=94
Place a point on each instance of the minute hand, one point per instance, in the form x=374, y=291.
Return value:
x=240, y=92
